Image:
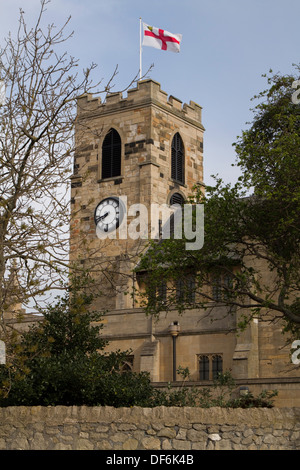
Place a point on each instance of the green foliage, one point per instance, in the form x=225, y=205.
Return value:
x=218, y=395
x=268, y=152
x=126, y=389
x=263, y=400
x=61, y=361
x=256, y=218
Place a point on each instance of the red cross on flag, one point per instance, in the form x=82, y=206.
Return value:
x=161, y=39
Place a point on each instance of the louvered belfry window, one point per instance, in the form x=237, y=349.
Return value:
x=111, y=155
x=177, y=164
x=176, y=198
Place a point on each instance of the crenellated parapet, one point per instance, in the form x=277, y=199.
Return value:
x=146, y=92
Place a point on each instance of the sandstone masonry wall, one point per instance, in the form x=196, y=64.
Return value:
x=161, y=428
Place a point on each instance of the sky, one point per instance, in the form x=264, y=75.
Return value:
x=227, y=46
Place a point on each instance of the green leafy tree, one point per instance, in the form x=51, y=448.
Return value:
x=251, y=258
x=61, y=360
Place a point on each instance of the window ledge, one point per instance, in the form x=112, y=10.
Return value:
x=178, y=182
x=113, y=178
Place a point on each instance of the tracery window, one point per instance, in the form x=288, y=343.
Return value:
x=185, y=289
x=162, y=291
x=157, y=294
x=221, y=287
x=210, y=366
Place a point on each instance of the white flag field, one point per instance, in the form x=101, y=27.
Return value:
x=161, y=39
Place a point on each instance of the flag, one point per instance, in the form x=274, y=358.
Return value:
x=161, y=39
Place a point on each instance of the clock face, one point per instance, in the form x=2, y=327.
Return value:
x=109, y=214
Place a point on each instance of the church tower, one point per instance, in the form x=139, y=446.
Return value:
x=145, y=148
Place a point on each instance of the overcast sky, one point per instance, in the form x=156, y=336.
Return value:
x=227, y=45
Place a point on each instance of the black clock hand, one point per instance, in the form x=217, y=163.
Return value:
x=101, y=217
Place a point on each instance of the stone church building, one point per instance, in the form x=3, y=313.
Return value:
x=147, y=148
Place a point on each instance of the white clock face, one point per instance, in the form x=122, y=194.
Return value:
x=108, y=214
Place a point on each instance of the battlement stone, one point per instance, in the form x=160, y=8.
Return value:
x=145, y=93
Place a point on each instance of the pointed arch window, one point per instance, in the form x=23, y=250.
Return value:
x=177, y=159
x=176, y=198
x=111, y=155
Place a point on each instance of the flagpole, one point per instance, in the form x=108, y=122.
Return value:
x=140, y=48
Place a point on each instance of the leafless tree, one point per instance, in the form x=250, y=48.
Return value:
x=37, y=118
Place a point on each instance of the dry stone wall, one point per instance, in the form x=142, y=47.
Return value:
x=156, y=429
